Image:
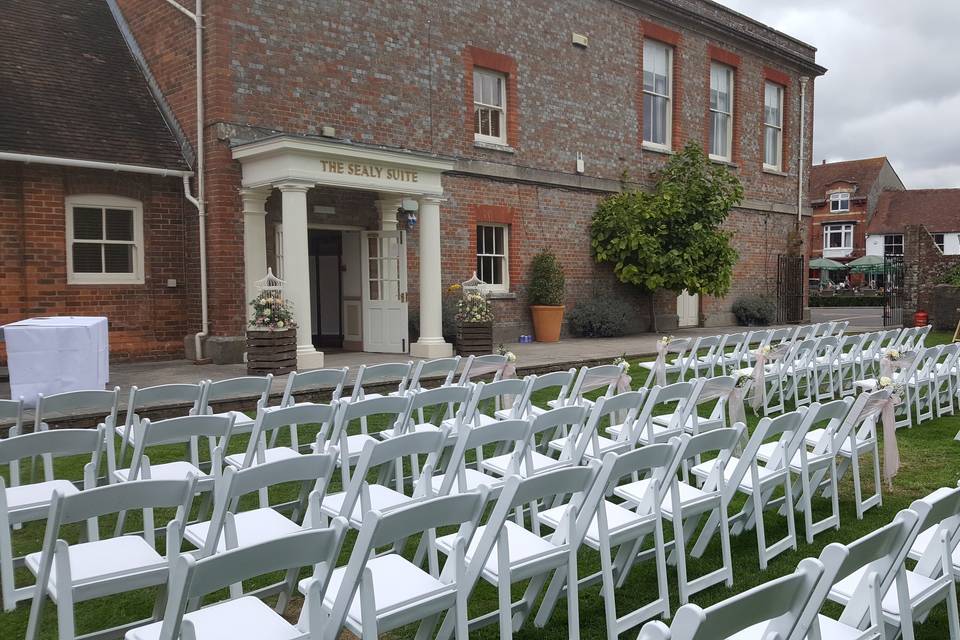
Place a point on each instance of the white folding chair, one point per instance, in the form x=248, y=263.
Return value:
x=746, y=474
x=360, y=496
x=232, y=389
x=621, y=410
x=867, y=567
x=394, y=410
x=711, y=392
x=230, y=528
x=165, y=395
x=247, y=616
x=98, y=568
x=944, y=379
x=848, y=364
x=53, y=409
x=731, y=352
x=799, y=371
x=675, y=400
x=462, y=475
x=11, y=415
x=704, y=356
x=605, y=525
x=476, y=366
x=21, y=503
x=389, y=373
x=378, y=592
x=869, y=349
x=298, y=382
x=604, y=376
x=770, y=611
x=562, y=381
x=440, y=370
x=263, y=445
x=504, y=552
x=441, y=407
x=675, y=363
x=919, y=388
x=823, y=369
x=509, y=395
x=532, y=457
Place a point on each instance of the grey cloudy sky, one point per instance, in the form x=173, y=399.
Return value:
x=893, y=82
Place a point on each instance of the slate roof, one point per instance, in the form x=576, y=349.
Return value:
x=70, y=88
x=862, y=172
x=936, y=209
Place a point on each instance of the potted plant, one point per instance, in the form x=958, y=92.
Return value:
x=272, y=336
x=545, y=295
x=474, y=324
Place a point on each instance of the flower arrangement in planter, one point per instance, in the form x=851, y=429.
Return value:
x=271, y=312
x=545, y=295
x=474, y=324
x=272, y=332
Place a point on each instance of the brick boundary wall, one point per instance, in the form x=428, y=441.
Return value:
x=924, y=266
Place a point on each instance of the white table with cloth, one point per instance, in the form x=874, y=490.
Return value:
x=57, y=354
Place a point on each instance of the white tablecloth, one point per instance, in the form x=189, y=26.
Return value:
x=52, y=355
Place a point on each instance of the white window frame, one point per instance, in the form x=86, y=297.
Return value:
x=840, y=202
x=778, y=127
x=480, y=137
x=99, y=201
x=892, y=235
x=505, y=256
x=942, y=243
x=846, y=231
x=668, y=144
x=727, y=156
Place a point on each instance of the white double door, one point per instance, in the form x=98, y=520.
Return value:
x=688, y=309
x=383, y=257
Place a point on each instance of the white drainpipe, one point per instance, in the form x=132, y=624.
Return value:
x=803, y=137
x=92, y=164
x=200, y=201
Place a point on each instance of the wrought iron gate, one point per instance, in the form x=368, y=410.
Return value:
x=791, y=279
x=893, y=291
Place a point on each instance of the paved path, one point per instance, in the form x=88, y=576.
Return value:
x=863, y=318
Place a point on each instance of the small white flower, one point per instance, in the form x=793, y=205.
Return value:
x=510, y=356
x=885, y=381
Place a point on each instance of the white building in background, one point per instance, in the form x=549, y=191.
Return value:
x=938, y=210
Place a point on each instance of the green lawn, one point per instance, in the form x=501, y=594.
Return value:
x=930, y=459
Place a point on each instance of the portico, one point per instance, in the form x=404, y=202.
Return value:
x=293, y=166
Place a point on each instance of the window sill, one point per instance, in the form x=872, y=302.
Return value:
x=647, y=146
x=775, y=172
x=725, y=162
x=104, y=283
x=493, y=146
x=501, y=295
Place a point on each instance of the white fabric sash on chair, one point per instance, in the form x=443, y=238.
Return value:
x=886, y=408
x=592, y=382
x=759, y=397
x=888, y=366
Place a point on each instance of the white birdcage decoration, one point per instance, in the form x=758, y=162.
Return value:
x=473, y=285
x=271, y=310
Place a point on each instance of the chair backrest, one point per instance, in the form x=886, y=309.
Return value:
x=716, y=390
x=782, y=427
x=482, y=365
x=939, y=509
x=804, y=353
x=778, y=336
x=779, y=602
x=832, y=413
x=396, y=406
x=852, y=343
x=871, y=344
x=499, y=437
x=442, y=368
x=73, y=403
x=927, y=360
x=269, y=419
x=163, y=394
x=398, y=372
x=512, y=392
x=724, y=442
x=840, y=327
x=947, y=359
x=562, y=380
x=803, y=332
x=680, y=394
x=51, y=444
x=904, y=340
x=758, y=338
x=920, y=337
x=604, y=376
x=241, y=387
x=882, y=551
x=439, y=402
x=298, y=381
x=184, y=429
x=191, y=578
x=623, y=408
x=703, y=353
x=11, y=413
x=658, y=461
x=312, y=471
x=550, y=425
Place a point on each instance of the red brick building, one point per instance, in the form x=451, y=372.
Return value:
x=498, y=125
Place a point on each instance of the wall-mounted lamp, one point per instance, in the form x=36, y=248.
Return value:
x=408, y=212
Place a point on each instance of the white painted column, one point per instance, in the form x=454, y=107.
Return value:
x=388, y=213
x=296, y=269
x=254, y=241
x=431, y=343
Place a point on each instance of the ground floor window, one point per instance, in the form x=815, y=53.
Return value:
x=104, y=240
x=939, y=240
x=838, y=236
x=893, y=244
x=492, y=256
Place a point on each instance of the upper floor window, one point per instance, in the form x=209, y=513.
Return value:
x=772, y=126
x=657, y=93
x=104, y=240
x=839, y=202
x=489, y=106
x=893, y=244
x=938, y=238
x=721, y=112
x=492, y=256
x=838, y=237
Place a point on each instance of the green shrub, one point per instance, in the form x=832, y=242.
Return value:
x=952, y=276
x=601, y=317
x=546, y=280
x=754, y=310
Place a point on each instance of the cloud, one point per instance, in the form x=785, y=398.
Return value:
x=893, y=81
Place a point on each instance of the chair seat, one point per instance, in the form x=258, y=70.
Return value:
x=253, y=527
x=524, y=549
x=473, y=479
x=479, y=420
x=178, y=470
x=396, y=582
x=703, y=424
x=532, y=411
x=425, y=427
x=38, y=494
x=355, y=445
x=703, y=470
x=105, y=559
x=241, y=421
x=619, y=518
x=813, y=436
x=868, y=384
x=690, y=496
x=541, y=463
x=829, y=628
x=269, y=455
x=381, y=499
x=660, y=432
x=918, y=588
x=605, y=445
x=245, y=617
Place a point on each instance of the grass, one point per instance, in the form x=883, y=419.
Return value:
x=930, y=458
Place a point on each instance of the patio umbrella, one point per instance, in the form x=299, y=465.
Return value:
x=867, y=264
x=826, y=264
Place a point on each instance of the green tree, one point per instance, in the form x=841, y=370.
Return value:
x=671, y=238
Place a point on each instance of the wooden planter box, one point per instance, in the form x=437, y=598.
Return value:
x=474, y=338
x=270, y=351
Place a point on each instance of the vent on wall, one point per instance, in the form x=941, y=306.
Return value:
x=580, y=40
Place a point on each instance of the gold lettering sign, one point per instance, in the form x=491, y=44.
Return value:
x=365, y=170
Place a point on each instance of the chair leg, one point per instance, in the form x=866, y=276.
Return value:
x=857, y=490
x=680, y=557
x=725, y=552
x=573, y=597
x=7, y=584
x=761, y=531
x=609, y=598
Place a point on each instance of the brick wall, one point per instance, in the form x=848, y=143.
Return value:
x=924, y=266
x=146, y=320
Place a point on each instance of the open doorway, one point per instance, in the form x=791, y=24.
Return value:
x=326, y=287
